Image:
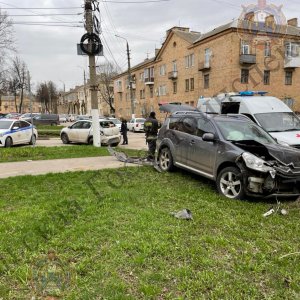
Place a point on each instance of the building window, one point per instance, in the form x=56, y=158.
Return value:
x=207, y=55
x=120, y=96
x=187, y=85
x=174, y=66
x=189, y=61
x=267, y=77
x=288, y=77
x=142, y=94
x=192, y=84
x=151, y=91
x=291, y=50
x=206, y=81
x=162, y=70
x=267, y=49
x=162, y=90
x=174, y=87
x=244, y=76
x=245, y=47
x=142, y=76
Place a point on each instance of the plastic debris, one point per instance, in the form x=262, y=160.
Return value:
x=184, y=214
x=284, y=212
x=269, y=212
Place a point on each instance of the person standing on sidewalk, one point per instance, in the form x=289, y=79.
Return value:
x=124, y=132
x=151, y=130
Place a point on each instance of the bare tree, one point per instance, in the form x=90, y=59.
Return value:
x=19, y=73
x=105, y=84
x=47, y=95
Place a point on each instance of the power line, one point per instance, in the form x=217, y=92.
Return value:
x=135, y=2
x=46, y=15
x=47, y=25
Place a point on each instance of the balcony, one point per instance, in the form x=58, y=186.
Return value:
x=173, y=75
x=204, y=66
x=149, y=81
x=248, y=59
x=292, y=62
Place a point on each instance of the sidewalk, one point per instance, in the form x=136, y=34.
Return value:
x=39, y=167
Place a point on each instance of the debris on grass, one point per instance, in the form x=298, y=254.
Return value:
x=184, y=214
x=289, y=254
x=269, y=212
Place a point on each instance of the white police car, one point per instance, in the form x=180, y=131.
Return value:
x=15, y=132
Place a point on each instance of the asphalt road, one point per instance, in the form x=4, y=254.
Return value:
x=135, y=141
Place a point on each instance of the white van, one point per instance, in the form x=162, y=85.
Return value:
x=268, y=112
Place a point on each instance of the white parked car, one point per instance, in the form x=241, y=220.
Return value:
x=136, y=124
x=63, y=118
x=15, y=132
x=82, y=132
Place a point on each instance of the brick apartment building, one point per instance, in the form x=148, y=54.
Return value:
x=241, y=55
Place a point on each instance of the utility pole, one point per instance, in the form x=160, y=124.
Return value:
x=129, y=76
x=31, y=116
x=93, y=83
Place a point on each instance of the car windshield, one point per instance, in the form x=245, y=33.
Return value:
x=5, y=124
x=278, y=121
x=243, y=131
x=140, y=120
x=116, y=121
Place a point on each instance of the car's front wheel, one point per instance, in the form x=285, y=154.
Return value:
x=64, y=138
x=8, y=142
x=165, y=160
x=230, y=183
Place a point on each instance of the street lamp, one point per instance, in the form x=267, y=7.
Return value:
x=64, y=91
x=84, y=89
x=129, y=75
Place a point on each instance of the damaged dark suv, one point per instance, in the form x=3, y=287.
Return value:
x=242, y=158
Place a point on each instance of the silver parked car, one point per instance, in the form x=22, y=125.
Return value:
x=82, y=132
x=241, y=157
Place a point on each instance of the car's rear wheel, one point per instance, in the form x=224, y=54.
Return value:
x=32, y=140
x=8, y=142
x=65, y=139
x=230, y=183
x=90, y=141
x=165, y=160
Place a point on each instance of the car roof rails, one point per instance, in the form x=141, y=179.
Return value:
x=238, y=116
x=188, y=112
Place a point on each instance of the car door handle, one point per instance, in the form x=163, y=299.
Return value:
x=192, y=142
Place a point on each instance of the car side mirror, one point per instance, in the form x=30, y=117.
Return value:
x=208, y=137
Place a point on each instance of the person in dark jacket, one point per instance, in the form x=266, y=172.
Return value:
x=151, y=130
x=124, y=132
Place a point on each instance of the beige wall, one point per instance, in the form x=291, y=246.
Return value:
x=224, y=72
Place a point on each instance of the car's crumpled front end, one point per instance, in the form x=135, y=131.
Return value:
x=269, y=170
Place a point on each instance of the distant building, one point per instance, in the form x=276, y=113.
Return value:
x=8, y=104
x=241, y=55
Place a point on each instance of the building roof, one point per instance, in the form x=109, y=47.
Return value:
x=190, y=37
x=254, y=27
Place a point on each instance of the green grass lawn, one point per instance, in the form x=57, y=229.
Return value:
x=44, y=153
x=110, y=235
x=48, y=130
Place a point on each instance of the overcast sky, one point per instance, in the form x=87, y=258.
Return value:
x=50, y=51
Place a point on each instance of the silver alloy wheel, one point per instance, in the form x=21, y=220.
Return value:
x=164, y=159
x=230, y=185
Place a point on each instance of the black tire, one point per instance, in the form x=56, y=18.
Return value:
x=114, y=144
x=165, y=160
x=230, y=183
x=8, y=142
x=64, y=138
x=32, y=140
x=90, y=141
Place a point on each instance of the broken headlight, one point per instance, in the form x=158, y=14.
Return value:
x=255, y=163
